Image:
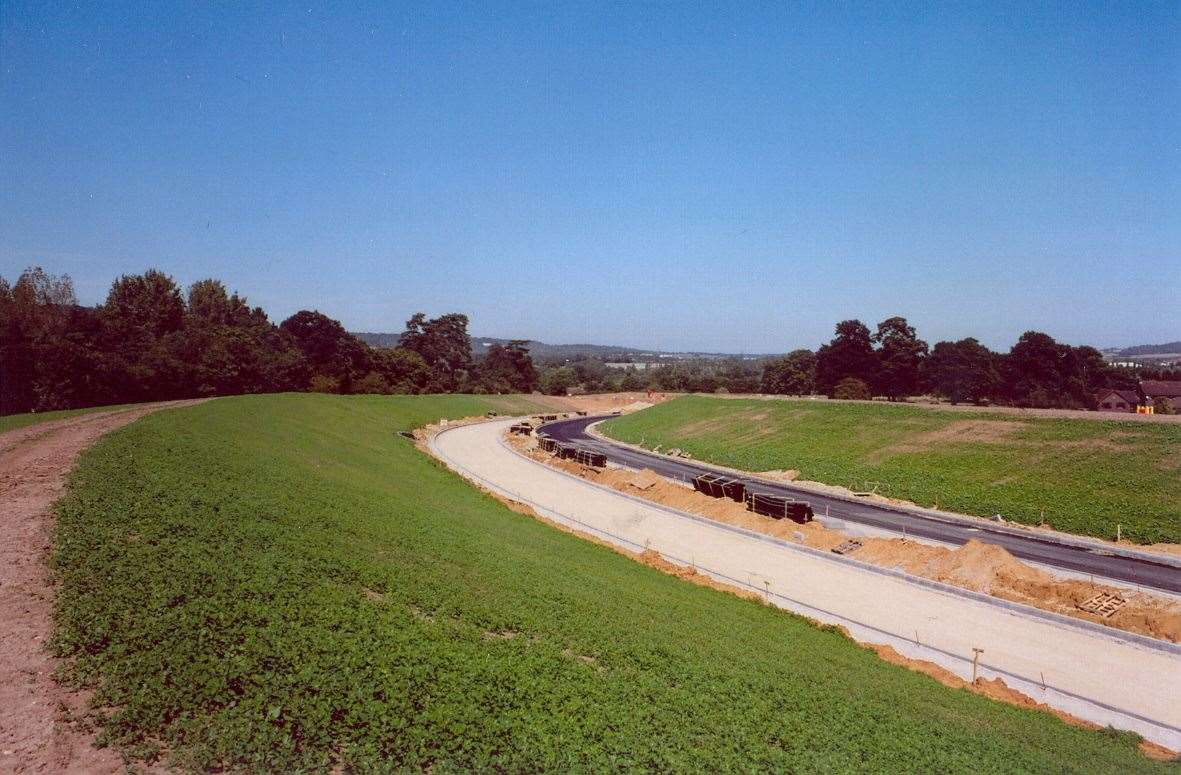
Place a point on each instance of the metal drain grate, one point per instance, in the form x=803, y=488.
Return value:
x=851, y=545
x=1105, y=604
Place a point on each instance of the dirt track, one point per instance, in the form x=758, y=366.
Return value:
x=38, y=727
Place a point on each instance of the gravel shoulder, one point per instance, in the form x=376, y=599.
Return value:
x=39, y=731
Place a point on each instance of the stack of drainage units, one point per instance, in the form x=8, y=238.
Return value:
x=765, y=503
x=579, y=455
x=778, y=507
x=522, y=428
x=717, y=486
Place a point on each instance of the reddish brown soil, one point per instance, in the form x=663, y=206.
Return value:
x=39, y=727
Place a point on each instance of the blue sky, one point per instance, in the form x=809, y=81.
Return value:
x=721, y=177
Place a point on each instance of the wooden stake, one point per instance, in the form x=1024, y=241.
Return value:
x=975, y=657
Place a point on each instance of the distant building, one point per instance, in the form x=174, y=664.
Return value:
x=1117, y=400
x=1161, y=388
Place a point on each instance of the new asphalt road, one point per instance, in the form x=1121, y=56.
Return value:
x=1040, y=548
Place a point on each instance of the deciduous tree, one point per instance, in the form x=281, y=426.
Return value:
x=793, y=374
x=963, y=371
x=444, y=344
x=900, y=358
x=849, y=354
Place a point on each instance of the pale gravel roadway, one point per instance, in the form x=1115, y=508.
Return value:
x=1099, y=677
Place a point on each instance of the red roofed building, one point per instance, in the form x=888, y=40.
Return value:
x=1112, y=400
x=1162, y=388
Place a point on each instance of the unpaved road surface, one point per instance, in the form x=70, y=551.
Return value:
x=37, y=733
x=1089, y=673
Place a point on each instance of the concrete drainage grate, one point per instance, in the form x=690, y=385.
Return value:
x=849, y=546
x=1104, y=604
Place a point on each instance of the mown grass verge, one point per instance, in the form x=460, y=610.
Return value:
x=1085, y=476
x=282, y=582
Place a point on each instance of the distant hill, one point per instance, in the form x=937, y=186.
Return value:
x=541, y=351
x=1169, y=348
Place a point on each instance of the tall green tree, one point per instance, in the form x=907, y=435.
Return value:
x=142, y=329
x=404, y=371
x=233, y=348
x=1032, y=372
x=963, y=371
x=849, y=354
x=444, y=344
x=49, y=358
x=793, y=374
x=331, y=352
x=900, y=358
x=509, y=368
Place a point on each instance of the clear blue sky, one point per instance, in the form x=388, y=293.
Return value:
x=726, y=178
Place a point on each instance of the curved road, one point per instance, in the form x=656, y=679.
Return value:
x=1044, y=549
x=1103, y=675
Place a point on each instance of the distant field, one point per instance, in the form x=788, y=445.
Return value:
x=11, y=422
x=282, y=582
x=1086, y=475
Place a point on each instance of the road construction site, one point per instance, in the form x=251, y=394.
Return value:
x=1089, y=557
x=1087, y=670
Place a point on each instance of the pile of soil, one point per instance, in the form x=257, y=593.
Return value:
x=790, y=475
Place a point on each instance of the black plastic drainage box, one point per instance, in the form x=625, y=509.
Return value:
x=703, y=483
x=734, y=490
x=547, y=444
x=588, y=458
x=779, y=507
x=566, y=452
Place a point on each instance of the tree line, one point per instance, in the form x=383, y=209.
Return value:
x=148, y=341
x=893, y=362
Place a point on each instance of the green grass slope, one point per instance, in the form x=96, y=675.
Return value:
x=1086, y=475
x=281, y=582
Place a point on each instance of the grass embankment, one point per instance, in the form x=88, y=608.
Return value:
x=11, y=422
x=282, y=582
x=1086, y=475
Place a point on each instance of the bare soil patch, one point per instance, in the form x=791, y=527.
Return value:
x=40, y=729
x=598, y=403
x=963, y=431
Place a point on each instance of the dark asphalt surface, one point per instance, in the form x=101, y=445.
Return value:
x=1033, y=547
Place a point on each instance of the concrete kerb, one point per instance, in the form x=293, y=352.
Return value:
x=1158, y=731
x=960, y=520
